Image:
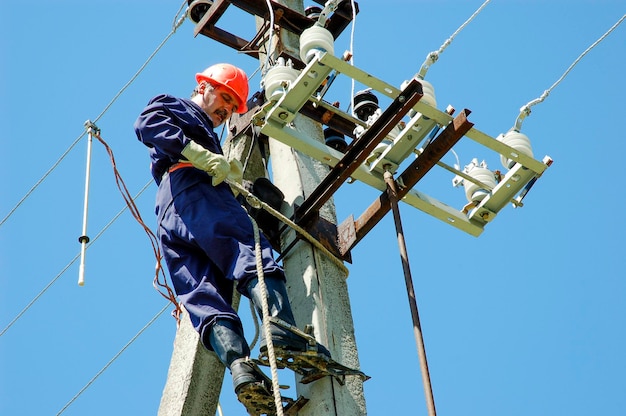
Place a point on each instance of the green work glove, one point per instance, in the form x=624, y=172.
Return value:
x=214, y=164
x=235, y=174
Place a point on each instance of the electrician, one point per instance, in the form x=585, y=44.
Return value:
x=206, y=235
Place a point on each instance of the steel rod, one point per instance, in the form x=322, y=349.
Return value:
x=84, y=239
x=417, y=328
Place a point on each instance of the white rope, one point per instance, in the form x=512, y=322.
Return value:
x=525, y=110
x=266, y=319
x=132, y=79
x=107, y=365
x=434, y=56
x=257, y=203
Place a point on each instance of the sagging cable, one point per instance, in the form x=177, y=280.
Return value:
x=432, y=57
x=72, y=261
x=99, y=373
x=160, y=280
x=525, y=110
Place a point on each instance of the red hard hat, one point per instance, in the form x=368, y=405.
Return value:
x=232, y=78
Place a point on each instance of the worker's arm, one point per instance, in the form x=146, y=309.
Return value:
x=215, y=164
x=168, y=126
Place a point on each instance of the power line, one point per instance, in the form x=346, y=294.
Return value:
x=32, y=302
x=525, y=110
x=434, y=56
x=176, y=25
x=107, y=365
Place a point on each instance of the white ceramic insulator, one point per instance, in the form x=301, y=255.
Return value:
x=315, y=39
x=428, y=91
x=474, y=192
x=278, y=80
x=517, y=141
x=429, y=94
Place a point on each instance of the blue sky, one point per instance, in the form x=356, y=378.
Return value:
x=528, y=318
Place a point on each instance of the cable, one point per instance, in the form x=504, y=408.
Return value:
x=160, y=280
x=42, y=179
x=19, y=315
x=255, y=320
x=434, y=56
x=278, y=401
x=142, y=67
x=54, y=166
x=525, y=110
x=271, y=38
x=176, y=23
x=107, y=365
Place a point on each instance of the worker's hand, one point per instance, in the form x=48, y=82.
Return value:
x=214, y=164
x=235, y=174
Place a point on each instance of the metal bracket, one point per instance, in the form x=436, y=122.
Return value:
x=286, y=18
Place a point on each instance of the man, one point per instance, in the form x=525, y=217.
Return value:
x=206, y=236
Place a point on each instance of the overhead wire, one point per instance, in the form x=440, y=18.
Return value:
x=434, y=56
x=115, y=357
x=271, y=38
x=175, y=27
x=525, y=110
x=129, y=205
x=72, y=261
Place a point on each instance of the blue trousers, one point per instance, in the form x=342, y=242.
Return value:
x=208, y=243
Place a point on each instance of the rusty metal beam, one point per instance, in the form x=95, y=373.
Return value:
x=285, y=17
x=433, y=152
x=358, y=151
x=333, y=120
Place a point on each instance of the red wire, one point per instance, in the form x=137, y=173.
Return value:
x=160, y=280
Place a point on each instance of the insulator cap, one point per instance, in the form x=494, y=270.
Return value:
x=198, y=8
x=365, y=104
x=335, y=140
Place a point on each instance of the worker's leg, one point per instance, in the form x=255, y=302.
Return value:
x=198, y=282
x=280, y=307
x=227, y=340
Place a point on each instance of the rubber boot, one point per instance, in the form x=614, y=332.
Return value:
x=279, y=307
x=226, y=338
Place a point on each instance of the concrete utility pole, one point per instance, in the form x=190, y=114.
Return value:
x=317, y=287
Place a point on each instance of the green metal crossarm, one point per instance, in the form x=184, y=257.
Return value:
x=276, y=121
x=359, y=150
x=416, y=171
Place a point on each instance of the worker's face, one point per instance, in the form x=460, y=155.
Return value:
x=218, y=103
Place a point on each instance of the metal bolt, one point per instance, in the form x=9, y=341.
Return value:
x=282, y=115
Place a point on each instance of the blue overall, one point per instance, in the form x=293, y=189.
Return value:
x=206, y=236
